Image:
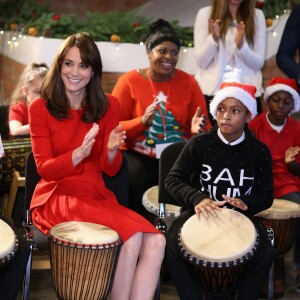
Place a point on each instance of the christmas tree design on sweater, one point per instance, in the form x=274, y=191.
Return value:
x=164, y=128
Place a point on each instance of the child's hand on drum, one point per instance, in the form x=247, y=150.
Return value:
x=208, y=207
x=235, y=202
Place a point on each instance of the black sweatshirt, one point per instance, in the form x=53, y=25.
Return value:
x=208, y=168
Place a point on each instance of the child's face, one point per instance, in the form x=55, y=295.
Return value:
x=231, y=118
x=280, y=105
x=33, y=90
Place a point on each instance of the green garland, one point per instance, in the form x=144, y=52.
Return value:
x=128, y=27
x=273, y=8
x=28, y=17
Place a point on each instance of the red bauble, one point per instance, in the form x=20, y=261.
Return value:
x=260, y=4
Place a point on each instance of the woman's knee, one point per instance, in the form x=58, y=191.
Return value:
x=133, y=245
x=155, y=244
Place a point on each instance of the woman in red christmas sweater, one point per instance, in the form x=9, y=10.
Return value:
x=280, y=133
x=159, y=105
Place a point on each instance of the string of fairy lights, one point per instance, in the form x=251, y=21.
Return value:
x=14, y=38
x=276, y=21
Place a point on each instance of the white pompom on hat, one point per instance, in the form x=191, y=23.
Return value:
x=284, y=84
x=242, y=92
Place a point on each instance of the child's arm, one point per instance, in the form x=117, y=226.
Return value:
x=290, y=160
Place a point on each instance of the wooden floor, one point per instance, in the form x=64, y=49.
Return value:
x=42, y=288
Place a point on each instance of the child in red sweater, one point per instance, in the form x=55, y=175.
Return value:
x=281, y=133
x=27, y=89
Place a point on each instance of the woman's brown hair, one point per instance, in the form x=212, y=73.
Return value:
x=53, y=90
x=245, y=13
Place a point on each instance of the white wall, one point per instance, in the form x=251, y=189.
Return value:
x=184, y=11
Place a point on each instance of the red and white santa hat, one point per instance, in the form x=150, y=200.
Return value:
x=242, y=92
x=284, y=84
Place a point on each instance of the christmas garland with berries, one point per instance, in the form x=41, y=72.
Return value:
x=31, y=18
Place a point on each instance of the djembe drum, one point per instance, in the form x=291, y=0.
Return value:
x=218, y=249
x=283, y=217
x=9, y=245
x=150, y=202
x=83, y=259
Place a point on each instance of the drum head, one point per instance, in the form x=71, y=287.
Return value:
x=84, y=233
x=150, y=202
x=8, y=240
x=228, y=237
x=281, y=209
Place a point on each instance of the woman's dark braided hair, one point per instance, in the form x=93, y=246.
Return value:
x=161, y=31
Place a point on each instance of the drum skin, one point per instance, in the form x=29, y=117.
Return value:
x=9, y=245
x=150, y=202
x=83, y=259
x=218, y=248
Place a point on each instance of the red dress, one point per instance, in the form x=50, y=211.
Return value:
x=78, y=193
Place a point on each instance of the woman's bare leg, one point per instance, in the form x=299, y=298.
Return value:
x=138, y=267
x=148, y=267
x=126, y=267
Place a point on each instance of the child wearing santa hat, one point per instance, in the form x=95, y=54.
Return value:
x=225, y=167
x=281, y=133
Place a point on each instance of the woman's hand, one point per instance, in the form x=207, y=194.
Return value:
x=85, y=149
x=290, y=154
x=116, y=138
x=199, y=122
x=235, y=202
x=149, y=114
x=207, y=207
x=214, y=29
x=240, y=34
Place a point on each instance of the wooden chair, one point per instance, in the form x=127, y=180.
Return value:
x=118, y=184
x=9, y=201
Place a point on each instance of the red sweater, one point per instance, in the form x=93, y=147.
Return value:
x=172, y=122
x=284, y=181
x=19, y=112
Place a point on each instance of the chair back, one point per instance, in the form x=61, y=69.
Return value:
x=118, y=183
x=166, y=162
x=31, y=179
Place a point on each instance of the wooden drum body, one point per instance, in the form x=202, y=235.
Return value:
x=150, y=202
x=83, y=260
x=218, y=248
x=9, y=245
x=283, y=217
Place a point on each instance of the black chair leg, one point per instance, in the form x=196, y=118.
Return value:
x=26, y=287
x=158, y=287
x=271, y=272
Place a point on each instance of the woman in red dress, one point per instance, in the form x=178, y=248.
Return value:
x=75, y=137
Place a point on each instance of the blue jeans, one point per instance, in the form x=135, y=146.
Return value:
x=295, y=197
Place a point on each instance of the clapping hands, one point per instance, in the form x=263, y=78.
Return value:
x=199, y=121
x=116, y=138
